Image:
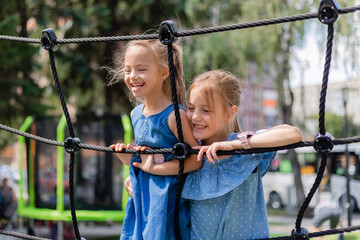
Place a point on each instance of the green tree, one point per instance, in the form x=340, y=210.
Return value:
x=20, y=94
x=335, y=125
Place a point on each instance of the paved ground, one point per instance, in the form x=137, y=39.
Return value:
x=285, y=224
x=279, y=224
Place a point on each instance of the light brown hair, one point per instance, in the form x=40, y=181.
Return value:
x=160, y=52
x=226, y=85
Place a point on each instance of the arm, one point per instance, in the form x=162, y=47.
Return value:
x=277, y=136
x=172, y=167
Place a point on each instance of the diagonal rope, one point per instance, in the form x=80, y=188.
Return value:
x=72, y=134
x=20, y=235
x=311, y=192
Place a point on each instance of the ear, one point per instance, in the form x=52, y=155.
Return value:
x=165, y=72
x=233, y=110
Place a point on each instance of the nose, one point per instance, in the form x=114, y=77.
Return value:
x=195, y=116
x=133, y=75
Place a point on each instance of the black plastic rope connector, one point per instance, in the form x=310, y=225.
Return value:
x=181, y=151
x=71, y=145
x=48, y=38
x=328, y=11
x=323, y=143
x=167, y=32
x=302, y=235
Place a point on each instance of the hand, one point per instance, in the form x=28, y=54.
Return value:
x=128, y=186
x=118, y=147
x=158, y=158
x=141, y=148
x=211, y=151
x=147, y=163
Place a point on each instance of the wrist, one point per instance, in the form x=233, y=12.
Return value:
x=243, y=137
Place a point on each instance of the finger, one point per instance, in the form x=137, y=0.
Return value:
x=200, y=154
x=117, y=147
x=137, y=164
x=209, y=156
x=211, y=161
x=143, y=148
x=213, y=152
x=196, y=147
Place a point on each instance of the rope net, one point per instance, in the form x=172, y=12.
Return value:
x=323, y=142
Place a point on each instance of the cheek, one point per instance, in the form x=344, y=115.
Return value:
x=189, y=115
x=127, y=80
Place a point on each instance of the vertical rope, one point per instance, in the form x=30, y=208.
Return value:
x=72, y=155
x=325, y=79
x=311, y=192
x=321, y=126
x=181, y=176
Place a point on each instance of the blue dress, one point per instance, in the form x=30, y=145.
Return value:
x=150, y=213
x=227, y=199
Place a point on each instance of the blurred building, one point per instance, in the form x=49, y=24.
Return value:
x=306, y=102
x=259, y=104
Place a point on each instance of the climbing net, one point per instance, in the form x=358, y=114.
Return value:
x=323, y=142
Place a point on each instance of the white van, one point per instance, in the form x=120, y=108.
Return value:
x=279, y=189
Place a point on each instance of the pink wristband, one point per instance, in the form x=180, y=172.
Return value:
x=244, y=139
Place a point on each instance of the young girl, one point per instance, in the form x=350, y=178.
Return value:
x=150, y=213
x=226, y=197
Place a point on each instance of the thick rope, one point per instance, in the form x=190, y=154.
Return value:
x=20, y=235
x=230, y=27
x=318, y=234
x=181, y=176
x=340, y=141
x=325, y=79
x=72, y=155
x=311, y=192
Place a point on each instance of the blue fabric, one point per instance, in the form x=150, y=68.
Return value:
x=150, y=213
x=227, y=199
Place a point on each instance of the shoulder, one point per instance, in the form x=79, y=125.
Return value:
x=172, y=117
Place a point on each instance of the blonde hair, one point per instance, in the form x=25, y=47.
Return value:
x=226, y=85
x=160, y=52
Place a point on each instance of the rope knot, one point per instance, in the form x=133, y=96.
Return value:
x=323, y=143
x=48, y=38
x=181, y=151
x=167, y=32
x=328, y=11
x=302, y=235
x=71, y=145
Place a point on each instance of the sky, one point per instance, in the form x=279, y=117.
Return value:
x=311, y=59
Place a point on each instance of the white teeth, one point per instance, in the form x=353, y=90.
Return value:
x=199, y=126
x=137, y=84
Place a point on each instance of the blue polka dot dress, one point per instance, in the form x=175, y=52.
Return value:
x=227, y=199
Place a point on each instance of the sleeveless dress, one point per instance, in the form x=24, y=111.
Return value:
x=227, y=199
x=150, y=213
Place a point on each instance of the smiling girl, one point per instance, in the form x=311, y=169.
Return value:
x=226, y=195
x=150, y=212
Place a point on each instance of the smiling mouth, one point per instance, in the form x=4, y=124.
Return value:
x=199, y=126
x=136, y=85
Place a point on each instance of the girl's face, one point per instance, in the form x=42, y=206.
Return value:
x=143, y=75
x=208, y=119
